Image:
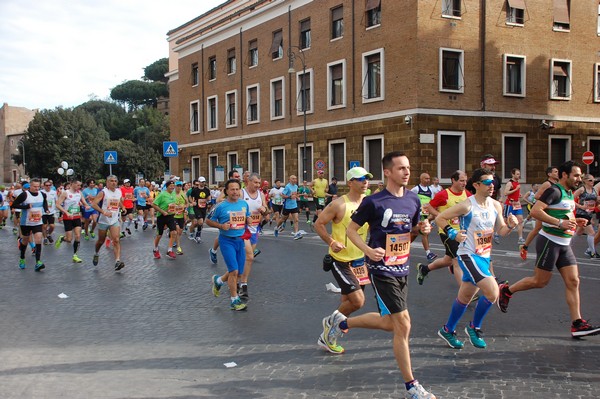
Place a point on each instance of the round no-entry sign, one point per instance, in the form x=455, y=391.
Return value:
x=588, y=157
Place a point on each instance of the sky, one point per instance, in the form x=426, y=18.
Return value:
x=65, y=52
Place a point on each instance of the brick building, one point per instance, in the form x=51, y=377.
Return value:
x=13, y=124
x=443, y=80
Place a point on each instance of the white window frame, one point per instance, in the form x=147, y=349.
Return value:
x=522, y=156
x=208, y=116
x=461, y=153
x=212, y=59
x=342, y=179
x=568, y=149
x=252, y=151
x=197, y=102
x=312, y=154
x=273, y=173
x=231, y=66
x=523, y=75
x=446, y=6
x=369, y=27
x=227, y=110
x=272, y=98
x=330, y=81
x=365, y=67
x=597, y=83
x=212, y=173
x=195, y=76
x=569, y=79
x=370, y=163
x=248, y=88
x=311, y=96
x=237, y=161
x=250, y=65
x=461, y=75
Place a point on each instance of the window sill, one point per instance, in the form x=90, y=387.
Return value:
x=334, y=107
x=277, y=59
x=252, y=66
x=372, y=100
x=452, y=91
x=516, y=24
x=214, y=129
x=252, y=122
x=564, y=30
x=301, y=113
x=195, y=132
x=276, y=118
x=230, y=126
x=212, y=80
x=372, y=27
x=513, y=95
x=196, y=85
x=561, y=98
x=335, y=39
x=231, y=73
x=450, y=16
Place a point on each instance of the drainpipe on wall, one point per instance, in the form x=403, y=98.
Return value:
x=290, y=61
x=242, y=96
x=202, y=90
x=482, y=45
x=353, y=80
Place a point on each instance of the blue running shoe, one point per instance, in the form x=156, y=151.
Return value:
x=216, y=287
x=213, y=256
x=39, y=266
x=238, y=305
x=22, y=264
x=450, y=338
x=475, y=336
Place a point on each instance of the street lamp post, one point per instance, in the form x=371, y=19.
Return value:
x=72, y=146
x=291, y=70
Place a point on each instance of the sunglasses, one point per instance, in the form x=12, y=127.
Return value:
x=486, y=182
x=361, y=179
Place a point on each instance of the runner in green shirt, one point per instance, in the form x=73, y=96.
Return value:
x=165, y=204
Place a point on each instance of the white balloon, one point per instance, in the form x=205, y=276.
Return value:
x=70, y=172
x=60, y=171
x=64, y=164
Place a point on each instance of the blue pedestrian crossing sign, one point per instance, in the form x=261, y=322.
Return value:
x=110, y=157
x=170, y=149
x=353, y=164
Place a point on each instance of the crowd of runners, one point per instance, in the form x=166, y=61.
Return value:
x=369, y=238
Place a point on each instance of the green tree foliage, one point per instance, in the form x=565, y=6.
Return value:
x=136, y=158
x=111, y=117
x=156, y=71
x=67, y=135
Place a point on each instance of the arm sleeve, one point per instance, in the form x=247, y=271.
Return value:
x=18, y=202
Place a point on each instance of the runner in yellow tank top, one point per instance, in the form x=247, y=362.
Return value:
x=348, y=262
x=319, y=187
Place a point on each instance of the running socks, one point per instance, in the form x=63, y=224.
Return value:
x=38, y=252
x=483, y=306
x=75, y=246
x=458, y=310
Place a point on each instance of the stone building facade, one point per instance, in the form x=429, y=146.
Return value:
x=13, y=124
x=445, y=81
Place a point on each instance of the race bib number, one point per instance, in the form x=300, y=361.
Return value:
x=171, y=208
x=397, y=249
x=74, y=210
x=35, y=215
x=321, y=201
x=128, y=196
x=589, y=205
x=179, y=209
x=202, y=203
x=255, y=218
x=359, y=269
x=113, y=204
x=50, y=203
x=237, y=220
x=277, y=201
x=483, y=242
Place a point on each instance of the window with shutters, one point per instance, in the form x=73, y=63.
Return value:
x=278, y=164
x=514, y=75
x=451, y=70
x=213, y=162
x=450, y=154
x=277, y=98
x=231, y=110
x=562, y=15
x=560, y=79
x=253, y=106
x=515, y=12
x=373, y=76
x=231, y=62
x=232, y=161
x=336, y=93
x=559, y=149
x=254, y=160
x=195, y=117
x=373, y=153
x=253, y=53
x=307, y=165
x=373, y=13
x=337, y=22
x=305, y=34
x=337, y=160
x=212, y=68
x=195, y=77
x=452, y=9
x=212, y=121
x=195, y=167
x=514, y=155
x=304, y=92
x=277, y=45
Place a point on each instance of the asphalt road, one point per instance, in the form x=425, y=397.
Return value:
x=154, y=330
